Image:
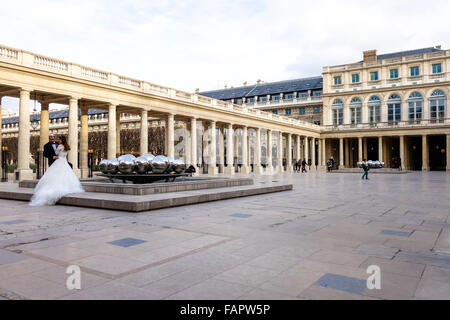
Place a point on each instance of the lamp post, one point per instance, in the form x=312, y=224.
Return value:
x=4, y=163
x=91, y=162
x=39, y=163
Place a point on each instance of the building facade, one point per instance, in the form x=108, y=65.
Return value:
x=390, y=107
x=299, y=99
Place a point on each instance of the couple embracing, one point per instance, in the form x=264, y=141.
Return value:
x=59, y=180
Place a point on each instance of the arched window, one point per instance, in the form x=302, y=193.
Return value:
x=437, y=105
x=338, y=112
x=355, y=110
x=394, y=108
x=374, y=109
x=415, y=106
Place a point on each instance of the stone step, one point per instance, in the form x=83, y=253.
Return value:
x=139, y=203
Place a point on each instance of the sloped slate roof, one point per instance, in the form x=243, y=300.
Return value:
x=314, y=83
x=407, y=53
x=53, y=115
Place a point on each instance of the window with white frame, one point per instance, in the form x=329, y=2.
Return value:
x=355, y=110
x=394, y=108
x=338, y=112
x=437, y=105
x=415, y=106
x=374, y=109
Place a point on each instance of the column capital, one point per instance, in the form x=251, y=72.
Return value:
x=76, y=98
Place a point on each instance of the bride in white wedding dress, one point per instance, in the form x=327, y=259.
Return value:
x=59, y=179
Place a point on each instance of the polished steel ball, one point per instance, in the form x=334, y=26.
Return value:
x=127, y=163
x=149, y=158
x=160, y=164
x=179, y=166
x=103, y=165
x=142, y=165
x=171, y=167
x=112, y=166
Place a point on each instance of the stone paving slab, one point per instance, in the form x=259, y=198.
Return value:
x=278, y=247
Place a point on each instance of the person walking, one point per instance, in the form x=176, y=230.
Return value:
x=304, y=166
x=365, y=167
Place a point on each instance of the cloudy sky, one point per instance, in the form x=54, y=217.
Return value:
x=207, y=44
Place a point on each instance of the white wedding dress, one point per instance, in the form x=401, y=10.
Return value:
x=58, y=181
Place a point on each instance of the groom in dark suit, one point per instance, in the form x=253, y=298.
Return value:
x=50, y=150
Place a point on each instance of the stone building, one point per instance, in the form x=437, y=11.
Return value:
x=389, y=107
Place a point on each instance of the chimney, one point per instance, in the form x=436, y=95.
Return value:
x=370, y=55
x=259, y=81
x=245, y=83
x=226, y=87
x=197, y=90
x=439, y=47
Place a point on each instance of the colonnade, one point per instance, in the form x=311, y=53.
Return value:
x=401, y=147
x=289, y=147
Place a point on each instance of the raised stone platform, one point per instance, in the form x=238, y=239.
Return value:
x=157, y=200
x=183, y=184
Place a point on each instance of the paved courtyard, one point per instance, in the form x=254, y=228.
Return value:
x=314, y=242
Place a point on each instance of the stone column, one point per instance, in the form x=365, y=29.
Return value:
x=380, y=149
x=45, y=125
x=360, y=149
x=257, y=163
x=112, y=131
x=245, y=168
x=144, y=132
x=280, y=151
x=118, y=127
x=402, y=152
x=447, y=152
x=313, y=153
x=230, y=150
x=222, y=149
x=212, y=168
x=170, y=136
x=341, y=153
x=297, y=148
x=23, y=167
x=306, y=147
x=425, y=154
x=84, y=142
x=72, y=156
x=194, y=144
x=269, y=166
x=289, y=153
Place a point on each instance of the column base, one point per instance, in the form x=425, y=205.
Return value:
x=290, y=168
x=245, y=169
x=258, y=169
x=84, y=173
x=229, y=170
x=269, y=170
x=425, y=169
x=24, y=174
x=213, y=170
x=448, y=168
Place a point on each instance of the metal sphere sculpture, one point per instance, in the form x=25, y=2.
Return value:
x=160, y=164
x=112, y=166
x=127, y=163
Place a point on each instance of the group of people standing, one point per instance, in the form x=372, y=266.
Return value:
x=300, y=165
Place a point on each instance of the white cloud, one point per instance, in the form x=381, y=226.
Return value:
x=207, y=44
